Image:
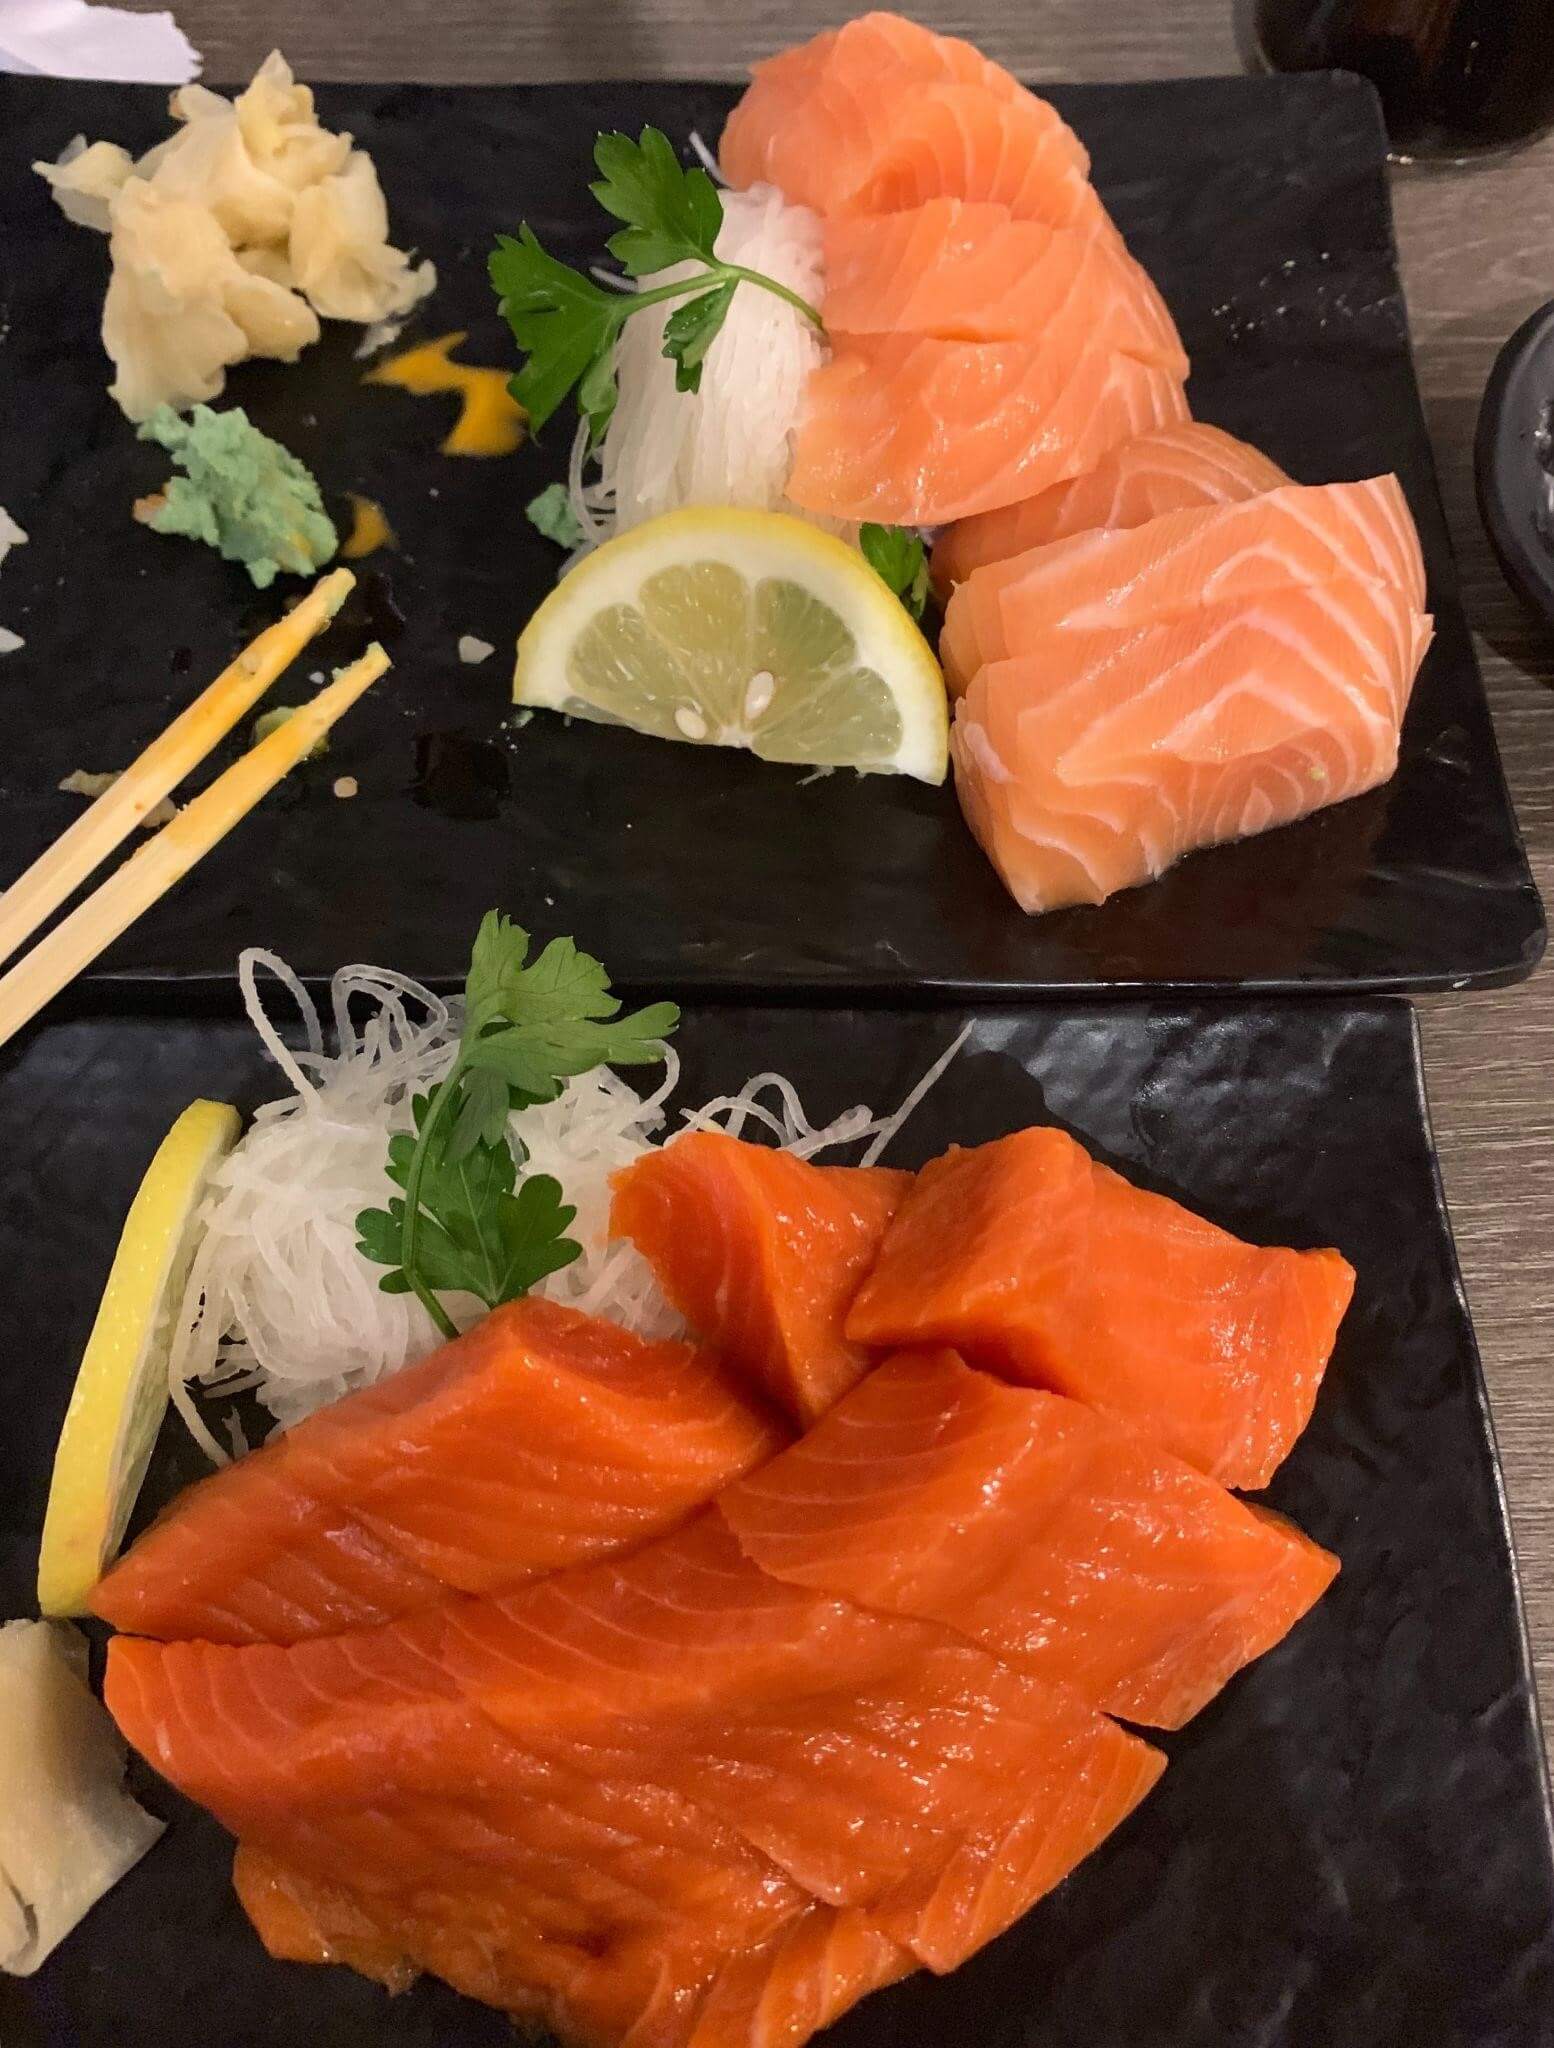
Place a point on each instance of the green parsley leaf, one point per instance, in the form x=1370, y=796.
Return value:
x=480, y=1236
x=598, y=394
x=567, y=324
x=564, y=322
x=898, y=557
x=671, y=213
x=690, y=331
x=465, y=1223
x=551, y=514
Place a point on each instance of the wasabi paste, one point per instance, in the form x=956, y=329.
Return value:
x=242, y=494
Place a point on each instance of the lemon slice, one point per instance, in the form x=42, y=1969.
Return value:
x=741, y=629
x=120, y=1392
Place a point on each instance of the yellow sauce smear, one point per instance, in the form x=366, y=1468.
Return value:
x=490, y=421
x=370, y=529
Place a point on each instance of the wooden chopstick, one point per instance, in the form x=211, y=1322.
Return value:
x=37, y=894
x=153, y=869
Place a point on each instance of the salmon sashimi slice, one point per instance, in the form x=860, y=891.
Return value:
x=719, y=1682
x=882, y=115
x=397, y=1765
x=881, y=44
x=1174, y=469
x=762, y=1254
x=1346, y=649
x=1035, y=1262
x=784, y=1992
x=1062, y=1541
x=915, y=431
x=476, y=1940
x=1097, y=760
x=909, y=1797
x=691, y=1626
x=891, y=146
x=958, y=271
x=1186, y=561
x=301, y=1919
x=777, y=1993
x=541, y=1437
x=444, y=1847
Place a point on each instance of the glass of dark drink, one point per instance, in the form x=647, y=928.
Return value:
x=1457, y=78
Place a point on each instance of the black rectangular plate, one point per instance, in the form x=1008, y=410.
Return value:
x=1261, y=207
x=1351, y=1845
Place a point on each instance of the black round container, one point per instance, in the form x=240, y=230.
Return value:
x=1513, y=460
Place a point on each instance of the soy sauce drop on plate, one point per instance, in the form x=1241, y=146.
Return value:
x=460, y=776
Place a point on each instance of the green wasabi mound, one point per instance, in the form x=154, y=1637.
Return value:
x=242, y=494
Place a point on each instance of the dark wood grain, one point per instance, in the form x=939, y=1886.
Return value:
x=1478, y=256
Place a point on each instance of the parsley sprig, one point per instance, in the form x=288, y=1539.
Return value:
x=567, y=323
x=897, y=555
x=466, y=1223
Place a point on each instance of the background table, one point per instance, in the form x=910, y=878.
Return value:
x=1478, y=256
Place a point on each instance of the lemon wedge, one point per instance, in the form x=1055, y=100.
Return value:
x=741, y=629
x=120, y=1392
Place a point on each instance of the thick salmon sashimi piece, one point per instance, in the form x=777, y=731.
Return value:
x=541, y=1437
x=1096, y=760
x=420, y=1837
x=776, y=1993
x=721, y=1684
x=958, y=271
x=1176, y=468
x=1188, y=561
x=1055, y=1537
x=662, y=1822
x=762, y=1254
x=473, y=1932
x=916, y=431
x=1035, y=1262
x=781, y=1994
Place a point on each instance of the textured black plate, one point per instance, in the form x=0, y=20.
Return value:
x=1513, y=457
x=1351, y=1846
x=1261, y=206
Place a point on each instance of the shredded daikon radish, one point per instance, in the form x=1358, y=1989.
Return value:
x=731, y=442
x=279, y=1302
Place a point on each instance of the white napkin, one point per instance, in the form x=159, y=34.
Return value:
x=69, y=39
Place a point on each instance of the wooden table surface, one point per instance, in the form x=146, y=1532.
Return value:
x=1478, y=256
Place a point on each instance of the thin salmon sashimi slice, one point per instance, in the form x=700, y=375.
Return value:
x=1187, y=561
x=1037, y=1527
x=958, y=271
x=1098, y=759
x=1035, y=1262
x=877, y=45
x=762, y=1254
x=915, y=431
x=1176, y=468
x=540, y=1438
x=858, y=149
x=882, y=115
